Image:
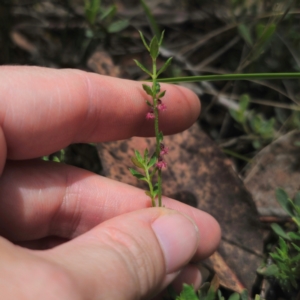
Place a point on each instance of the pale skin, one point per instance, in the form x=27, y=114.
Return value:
x=66, y=233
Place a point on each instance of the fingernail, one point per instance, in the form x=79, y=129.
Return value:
x=178, y=237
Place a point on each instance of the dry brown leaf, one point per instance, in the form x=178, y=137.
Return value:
x=227, y=278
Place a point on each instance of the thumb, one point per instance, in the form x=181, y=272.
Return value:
x=132, y=256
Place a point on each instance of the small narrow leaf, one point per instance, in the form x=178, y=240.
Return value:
x=283, y=245
x=279, y=231
x=152, y=161
x=245, y=34
x=161, y=38
x=164, y=67
x=297, y=199
x=187, y=293
x=161, y=94
x=117, y=26
x=144, y=42
x=234, y=296
x=137, y=174
x=244, y=295
x=283, y=199
x=146, y=153
x=138, y=156
x=154, y=48
x=157, y=88
x=271, y=270
x=142, y=67
x=148, y=103
x=296, y=247
x=244, y=102
x=137, y=163
x=109, y=12
x=294, y=236
x=147, y=89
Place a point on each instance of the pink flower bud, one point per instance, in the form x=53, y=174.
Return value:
x=150, y=115
x=163, y=149
x=161, y=163
x=161, y=106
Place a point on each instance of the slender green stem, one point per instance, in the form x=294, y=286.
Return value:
x=156, y=127
x=150, y=186
x=231, y=77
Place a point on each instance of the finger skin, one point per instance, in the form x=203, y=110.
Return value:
x=61, y=200
x=123, y=258
x=130, y=242
x=48, y=109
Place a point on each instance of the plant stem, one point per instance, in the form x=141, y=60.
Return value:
x=156, y=127
x=231, y=77
x=150, y=187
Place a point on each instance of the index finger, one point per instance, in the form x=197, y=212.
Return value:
x=44, y=110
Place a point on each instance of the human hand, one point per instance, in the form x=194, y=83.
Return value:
x=82, y=236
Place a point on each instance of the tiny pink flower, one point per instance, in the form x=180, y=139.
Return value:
x=150, y=115
x=163, y=149
x=161, y=106
x=161, y=163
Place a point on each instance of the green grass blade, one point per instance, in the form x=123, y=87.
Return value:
x=249, y=76
x=154, y=26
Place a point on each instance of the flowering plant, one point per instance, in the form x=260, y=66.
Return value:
x=151, y=166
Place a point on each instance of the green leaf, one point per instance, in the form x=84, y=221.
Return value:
x=257, y=297
x=91, y=9
x=294, y=235
x=56, y=159
x=276, y=257
x=244, y=295
x=142, y=67
x=154, y=48
x=296, y=247
x=270, y=271
x=153, y=24
x=165, y=66
x=137, y=163
x=144, y=42
x=137, y=174
x=235, y=115
x=147, y=89
x=264, y=33
x=244, y=102
x=279, y=231
x=117, y=26
x=138, y=156
x=187, y=293
x=220, y=297
x=161, y=94
x=149, y=103
x=161, y=38
x=256, y=144
x=297, y=199
x=109, y=12
x=146, y=153
x=245, y=34
x=157, y=88
x=234, y=296
x=283, y=199
x=283, y=245
x=152, y=161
